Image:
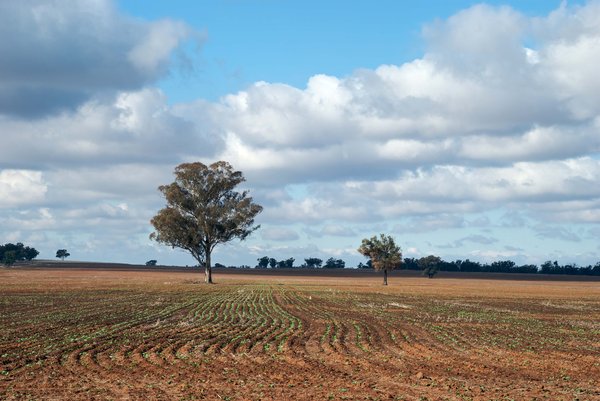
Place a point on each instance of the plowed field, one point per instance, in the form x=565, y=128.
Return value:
x=101, y=334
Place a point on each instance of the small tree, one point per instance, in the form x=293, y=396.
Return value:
x=62, y=254
x=272, y=263
x=430, y=265
x=383, y=252
x=151, y=262
x=203, y=210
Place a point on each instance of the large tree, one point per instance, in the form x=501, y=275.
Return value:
x=383, y=252
x=204, y=210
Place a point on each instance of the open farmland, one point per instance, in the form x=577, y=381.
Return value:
x=108, y=334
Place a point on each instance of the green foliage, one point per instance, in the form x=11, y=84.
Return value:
x=204, y=210
x=333, y=263
x=263, y=262
x=383, y=252
x=266, y=262
x=12, y=253
x=151, y=262
x=430, y=265
x=9, y=258
x=313, y=262
x=286, y=263
x=62, y=254
x=503, y=266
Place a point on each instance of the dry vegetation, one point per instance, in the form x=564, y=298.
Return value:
x=101, y=334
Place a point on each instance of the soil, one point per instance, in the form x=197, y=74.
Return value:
x=118, y=332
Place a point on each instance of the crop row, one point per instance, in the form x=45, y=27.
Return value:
x=89, y=334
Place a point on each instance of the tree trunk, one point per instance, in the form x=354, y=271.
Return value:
x=384, y=276
x=207, y=270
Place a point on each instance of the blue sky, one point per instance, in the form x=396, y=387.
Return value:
x=464, y=129
x=290, y=41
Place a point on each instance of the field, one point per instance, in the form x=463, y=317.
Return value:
x=117, y=334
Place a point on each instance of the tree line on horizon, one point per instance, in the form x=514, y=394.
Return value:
x=431, y=264
x=501, y=266
x=309, y=263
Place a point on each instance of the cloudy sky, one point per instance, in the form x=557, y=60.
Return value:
x=463, y=129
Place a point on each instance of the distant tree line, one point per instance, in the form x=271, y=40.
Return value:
x=309, y=263
x=431, y=265
x=12, y=253
x=502, y=266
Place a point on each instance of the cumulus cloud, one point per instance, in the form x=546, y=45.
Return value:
x=131, y=127
x=475, y=98
x=430, y=222
x=444, y=191
x=475, y=239
x=331, y=230
x=62, y=53
x=279, y=234
x=553, y=232
x=495, y=126
x=572, y=47
x=21, y=187
x=87, y=140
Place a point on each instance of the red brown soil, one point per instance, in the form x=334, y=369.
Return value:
x=126, y=334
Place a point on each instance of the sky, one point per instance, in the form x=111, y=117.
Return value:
x=465, y=130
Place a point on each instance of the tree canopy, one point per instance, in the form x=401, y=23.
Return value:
x=313, y=262
x=62, y=254
x=263, y=262
x=430, y=265
x=333, y=263
x=11, y=253
x=383, y=252
x=204, y=210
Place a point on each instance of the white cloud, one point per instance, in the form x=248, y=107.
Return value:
x=278, y=234
x=127, y=128
x=562, y=233
x=330, y=230
x=154, y=50
x=21, y=187
x=337, y=231
x=63, y=53
x=29, y=220
x=499, y=116
x=523, y=181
